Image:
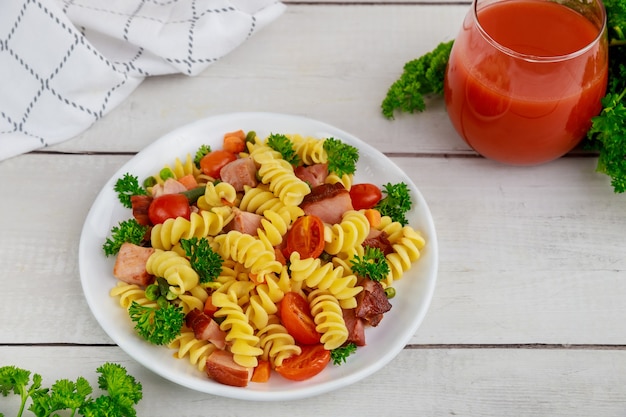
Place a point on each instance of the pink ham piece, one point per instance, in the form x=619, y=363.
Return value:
x=313, y=175
x=378, y=239
x=170, y=186
x=372, y=302
x=328, y=202
x=355, y=326
x=221, y=367
x=244, y=222
x=205, y=328
x=239, y=173
x=130, y=265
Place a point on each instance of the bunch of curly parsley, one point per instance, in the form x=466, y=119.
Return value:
x=607, y=135
x=608, y=129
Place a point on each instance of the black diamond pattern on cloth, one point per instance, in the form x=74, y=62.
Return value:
x=66, y=63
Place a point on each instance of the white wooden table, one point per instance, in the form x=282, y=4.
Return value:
x=529, y=313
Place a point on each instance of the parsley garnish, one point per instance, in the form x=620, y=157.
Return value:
x=396, y=202
x=204, y=260
x=421, y=76
x=342, y=158
x=372, y=264
x=126, y=187
x=340, y=354
x=283, y=145
x=158, y=325
x=126, y=231
x=74, y=398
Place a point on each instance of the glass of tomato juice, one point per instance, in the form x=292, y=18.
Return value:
x=525, y=77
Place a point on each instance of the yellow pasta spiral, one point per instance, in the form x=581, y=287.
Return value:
x=310, y=150
x=279, y=175
x=328, y=318
x=406, y=250
x=277, y=343
x=325, y=277
x=205, y=223
x=193, y=299
x=392, y=228
x=128, y=293
x=175, y=268
x=216, y=194
x=195, y=350
x=346, y=235
x=238, y=331
x=346, y=180
x=274, y=225
x=248, y=250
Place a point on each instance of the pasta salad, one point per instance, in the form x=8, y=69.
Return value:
x=260, y=259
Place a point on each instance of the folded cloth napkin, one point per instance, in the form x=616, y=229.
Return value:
x=66, y=63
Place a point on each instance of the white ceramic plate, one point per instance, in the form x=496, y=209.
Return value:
x=414, y=290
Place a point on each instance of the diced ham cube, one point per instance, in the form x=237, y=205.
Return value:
x=328, y=202
x=313, y=175
x=205, y=328
x=239, y=173
x=130, y=265
x=221, y=367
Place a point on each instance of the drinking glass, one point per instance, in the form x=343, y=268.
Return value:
x=525, y=77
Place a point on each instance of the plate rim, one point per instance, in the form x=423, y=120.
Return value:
x=305, y=390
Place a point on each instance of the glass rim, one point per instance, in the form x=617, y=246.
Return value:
x=543, y=58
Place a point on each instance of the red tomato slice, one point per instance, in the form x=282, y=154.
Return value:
x=365, y=196
x=309, y=363
x=213, y=162
x=295, y=315
x=169, y=206
x=306, y=237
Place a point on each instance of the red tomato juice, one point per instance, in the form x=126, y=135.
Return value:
x=525, y=111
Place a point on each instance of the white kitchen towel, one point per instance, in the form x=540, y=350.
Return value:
x=66, y=63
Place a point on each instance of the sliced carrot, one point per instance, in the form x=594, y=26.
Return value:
x=262, y=372
x=189, y=181
x=280, y=257
x=234, y=144
x=373, y=217
x=238, y=133
x=209, y=307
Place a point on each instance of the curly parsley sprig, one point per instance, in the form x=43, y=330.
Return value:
x=204, y=260
x=126, y=231
x=396, y=202
x=283, y=145
x=126, y=187
x=421, y=76
x=372, y=264
x=342, y=158
x=123, y=392
x=608, y=130
x=158, y=325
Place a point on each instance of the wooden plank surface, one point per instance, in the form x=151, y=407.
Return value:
x=529, y=256
x=333, y=63
x=429, y=382
x=528, y=313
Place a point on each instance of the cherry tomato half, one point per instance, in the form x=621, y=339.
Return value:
x=169, y=206
x=309, y=363
x=306, y=237
x=365, y=196
x=295, y=315
x=213, y=162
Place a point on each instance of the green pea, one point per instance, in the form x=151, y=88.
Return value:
x=390, y=292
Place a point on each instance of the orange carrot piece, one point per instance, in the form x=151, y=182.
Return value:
x=262, y=372
x=189, y=181
x=209, y=307
x=234, y=144
x=373, y=217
